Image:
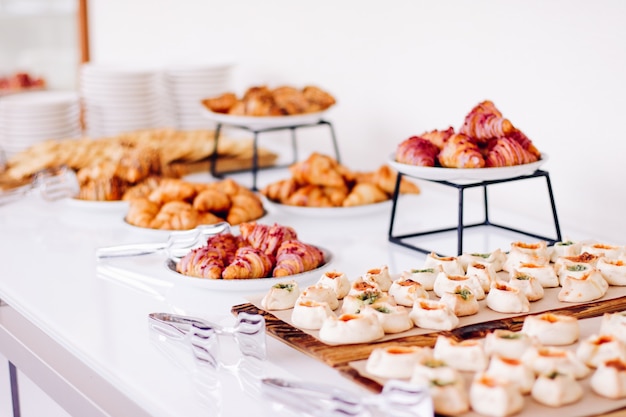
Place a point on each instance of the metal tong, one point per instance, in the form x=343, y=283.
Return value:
x=52, y=183
x=178, y=244
x=201, y=335
x=397, y=399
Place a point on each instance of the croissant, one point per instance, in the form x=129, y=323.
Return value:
x=460, y=151
x=438, y=137
x=203, y=262
x=526, y=143
x=249, y=262
x=221, y=104
x=417, y=151
x=317, y=169
x=336, y=195
x=486, y=122
x=318, y=99
x=245, y=207
x=225, y=245
x=385, y=178
x=172, y=189
x=212, y=200
x=280, y=191
x=309, y=196
x=175, y=215
x=141, y=212
x=265, y=237
x=294, y=257
x=206, y=217
x=364, y=193
x=507, y=152
x=290, y=100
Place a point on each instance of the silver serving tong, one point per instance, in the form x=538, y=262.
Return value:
x=52, y=183
x=248, y=332
x=398, y=398
x=178, y=244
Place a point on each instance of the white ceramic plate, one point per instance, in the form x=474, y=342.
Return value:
x=250, y=285
x=262, y=122
x=117, y=205
x=466, y=174
x=329, y=212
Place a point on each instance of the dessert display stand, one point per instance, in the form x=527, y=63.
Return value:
x=256, y=133
x=401, y=239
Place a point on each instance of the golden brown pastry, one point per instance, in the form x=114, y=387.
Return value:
x=212, y=200
x=438, y=137
x=206, y=217
x=141, y=212
x=485, y=122
x=460, y=151
x=317, y=169
x=506, y=152
x=294, y=257
x=385, y=178
x=142, y=189
x=417, y=151
x=318, y=99
x=249, y=262
x=267, y=238
x=245, y=207
x=309, y=195
x=290, y=100
x=175, y=215
x=364, y=193
x=172, y=189
x=222, y=103
x=203, y=262
x=280, y=190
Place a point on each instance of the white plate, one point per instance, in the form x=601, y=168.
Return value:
x=329, y=212
x=264, y=122
x=466, y=174
x=116, y=205
x=253, y=284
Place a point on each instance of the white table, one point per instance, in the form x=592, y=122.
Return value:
x=81, y=332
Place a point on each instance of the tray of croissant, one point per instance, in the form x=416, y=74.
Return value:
x=263, y=107
x=487, y=146
x=320, y=186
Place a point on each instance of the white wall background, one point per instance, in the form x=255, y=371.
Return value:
x=555, y=68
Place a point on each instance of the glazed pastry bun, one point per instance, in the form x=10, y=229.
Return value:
x=466, y=355
x=552, y=329
x=406, y=291
x=310, y=315
x=504, y=298
x=281, y=296
x=351, y=328
x=495, y=397
x=432, y=314
x=337, y=281
x=556, y=389
x=395, y=361
x=609, y=380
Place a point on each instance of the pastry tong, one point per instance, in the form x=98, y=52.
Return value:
x=52, y=183
x=178, y=244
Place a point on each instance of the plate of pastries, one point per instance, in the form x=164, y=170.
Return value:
x=254, y=259
x=265, y=107
x=487, y=146
x=321, y=186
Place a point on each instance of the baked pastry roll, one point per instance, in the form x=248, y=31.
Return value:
x=295, y=257
x=380, y=276
x=565, y=248
x=544, y=274
x=351, y=328
x=431, y=314
x=318, y=169
x=321, y=294
x=495, y=397
x=528, y=284
x=484, y=272
x=556, y=389
x=460, y=151
x=264, y=237
x=445, y=385
x=609, y=379
x=507, y=343
x=395, y=361
x=448, y=283
x=603, y=250
x=485, y=122
x=522, y=252
x=508, y=151
x=337, y=281
x=364, y=193
x=393, y=318
x=504, y=298
x=513, y=369
x=281, y=296
x=552, y=329
x=309, y=314
x=612, y=270
x=467, y=355
x=614, y=324
x=249, y=263
x=589, y=287
x=406, y=291
x=595, y=350
x=462, y=301
x=438, y=137
x=545, y=360
x=449, y=264
x=425, y=276
x=495, y=258
x=417, y=151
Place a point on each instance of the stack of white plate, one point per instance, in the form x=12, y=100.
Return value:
x=29, y=118
x=187, y=86
x=117, y=100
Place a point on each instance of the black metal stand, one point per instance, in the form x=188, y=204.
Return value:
x=15, y=396
x=256, y=132
x=399, y=239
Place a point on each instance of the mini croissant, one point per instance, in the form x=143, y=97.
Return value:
x=460, y=151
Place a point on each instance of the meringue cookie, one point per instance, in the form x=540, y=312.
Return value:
x=449, y=264
x=546, y=360
x=496, y=259
x=532, y=289
x=565, y=248
x=281, y=296
x=512, y=369
x=545, y=274
x=589, y=287
x=406, y=291
x=448, y=283
x=612, y=270
x=309, y=314
x=485, y=273
x=351, y=328
x=337, y=281
x=556, y=389
x=552, y=329
x=395, y=361
x=435, y=315
x=445, y=384
x=506, y=299
x=495, y=397
x=393, y=318
x=467, y=355
x=462, y=301
x=380, y=276
x=320, y=293
x=595, y=350
x=425, y=276
x=609, y=380
x=507, y=343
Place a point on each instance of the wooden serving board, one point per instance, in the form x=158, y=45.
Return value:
x=339, y=357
